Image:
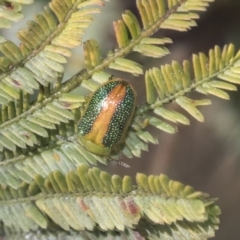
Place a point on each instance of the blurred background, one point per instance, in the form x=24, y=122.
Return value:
x=204, y=155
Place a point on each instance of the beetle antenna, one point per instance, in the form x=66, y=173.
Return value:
x=120, y=163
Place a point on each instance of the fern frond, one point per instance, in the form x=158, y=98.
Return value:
x=211, y=75
x=45, y=45
x=11, y=11
x=74, y=235
x=139, y=40
x=177, y=15
x=53, y=119
x=40, y=62
x=68, y=201
x=64, y=158
x=144, y=231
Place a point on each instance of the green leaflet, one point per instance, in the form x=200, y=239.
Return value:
x=46, y=181
x=155, y=198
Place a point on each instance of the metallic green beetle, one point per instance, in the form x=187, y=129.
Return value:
x=107, y=117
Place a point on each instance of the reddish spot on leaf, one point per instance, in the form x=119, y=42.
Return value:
x=26, y=135
x=132, y=206
x=82, y=205
x=16, y=83
x=66, y=104
x=9, y=5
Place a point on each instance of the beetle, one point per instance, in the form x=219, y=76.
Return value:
x=107, y=117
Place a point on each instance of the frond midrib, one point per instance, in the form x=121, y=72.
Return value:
x=89, y=193
x=22, y=157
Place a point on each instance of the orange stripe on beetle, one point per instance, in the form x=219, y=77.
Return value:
x=100, y=126
x=107, y=116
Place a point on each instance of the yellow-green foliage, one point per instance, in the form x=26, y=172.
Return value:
x=49, y=189
x=87, y=197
